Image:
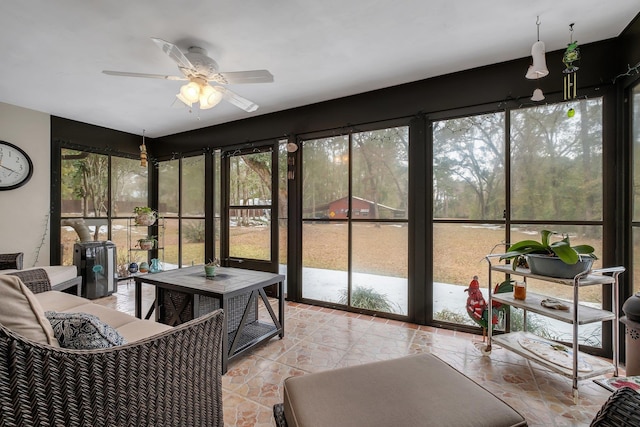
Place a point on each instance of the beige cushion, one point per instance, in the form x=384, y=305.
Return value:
x=22, y=313
x=112, y=317
x=59, y=301
x=60, y=273
x=140, y=329
x=130, y=327
x=416, y=390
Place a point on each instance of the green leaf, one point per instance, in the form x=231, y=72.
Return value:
x=546, y=234
x=565, y=252
x=526, y=244
x=584, y=249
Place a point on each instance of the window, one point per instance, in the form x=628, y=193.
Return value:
x=94, y=208
x=355, y=242
x=181, y=196
x=635, y=140
x=554, y=156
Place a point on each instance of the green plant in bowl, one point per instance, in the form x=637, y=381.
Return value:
x=561, y=249
x=210, y=267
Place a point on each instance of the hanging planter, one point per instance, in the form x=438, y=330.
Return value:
x=147, y=243
x=144, y=215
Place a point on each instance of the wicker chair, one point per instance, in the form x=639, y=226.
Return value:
x=170, y=379
x=622, y=409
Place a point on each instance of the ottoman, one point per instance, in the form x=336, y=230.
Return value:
x=419, y=390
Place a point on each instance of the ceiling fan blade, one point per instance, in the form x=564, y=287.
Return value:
x=148, y=76
x=237, y=100
x=239, y=77
x=174, y=53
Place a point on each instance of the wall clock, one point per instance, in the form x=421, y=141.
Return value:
x=16, y=167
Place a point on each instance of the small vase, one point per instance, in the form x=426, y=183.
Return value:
x=209, y=270
x=155, y=266
x=133, y=268
x=144, y=267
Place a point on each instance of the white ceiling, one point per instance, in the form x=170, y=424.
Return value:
x=53, y=52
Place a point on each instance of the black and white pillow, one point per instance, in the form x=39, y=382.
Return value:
x=83, y=331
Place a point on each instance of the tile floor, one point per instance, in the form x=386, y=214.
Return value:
x=317, y=339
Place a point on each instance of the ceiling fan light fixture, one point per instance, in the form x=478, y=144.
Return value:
x=209, y=97
x=184, y=100
x=190, y=92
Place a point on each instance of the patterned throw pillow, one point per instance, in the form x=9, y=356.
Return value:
x=83, y=331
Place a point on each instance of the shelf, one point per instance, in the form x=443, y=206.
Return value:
x=588, y=366
x=252, y=334
x=510, y=342
x=586, y=314
x=589, y=280
x=136, y=254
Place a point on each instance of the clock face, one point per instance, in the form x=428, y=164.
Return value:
x=16, y=167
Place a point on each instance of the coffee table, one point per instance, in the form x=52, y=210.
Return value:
x=186, y=293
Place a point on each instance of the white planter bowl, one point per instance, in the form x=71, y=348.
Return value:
x=544, y=265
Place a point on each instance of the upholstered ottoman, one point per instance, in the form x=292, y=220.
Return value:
x=411, y=391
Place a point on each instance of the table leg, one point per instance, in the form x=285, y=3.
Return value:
x=281, y=307
x=225, y=335
x=138, y=298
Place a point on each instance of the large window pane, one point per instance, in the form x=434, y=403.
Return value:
x=325, y=178
x=250, y=179
x=129, y=183
x=379, y=274
x=636, y=259
x=468, y=167
x=168, y=188
x=249, y=234
x=635, y=134
x=217, y=201
x=458, y=255
x=84, y=187
x=556, y=160
x=119, y=238
x=380, y=174
x=192, y=242
x=250, y=210
x=325, y=257
x=283, y=214
x=192, y=195
x=171, y=243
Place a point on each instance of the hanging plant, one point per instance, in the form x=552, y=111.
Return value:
x=145, y=215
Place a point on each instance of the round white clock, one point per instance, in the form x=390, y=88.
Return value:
x=16, y=167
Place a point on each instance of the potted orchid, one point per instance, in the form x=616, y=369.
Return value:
x=547, y=258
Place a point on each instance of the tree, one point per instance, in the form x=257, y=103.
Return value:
x=468, y=165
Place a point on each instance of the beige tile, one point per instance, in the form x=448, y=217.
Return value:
x=319, y=338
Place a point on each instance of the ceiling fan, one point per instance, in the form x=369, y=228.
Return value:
x=200, y=70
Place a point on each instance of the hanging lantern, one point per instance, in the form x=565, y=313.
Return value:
x=569, y=59
x=143, y=152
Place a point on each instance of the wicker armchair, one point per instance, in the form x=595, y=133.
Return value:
x=170, y=379
x=13, y=261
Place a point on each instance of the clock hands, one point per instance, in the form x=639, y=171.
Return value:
x=9, y=169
